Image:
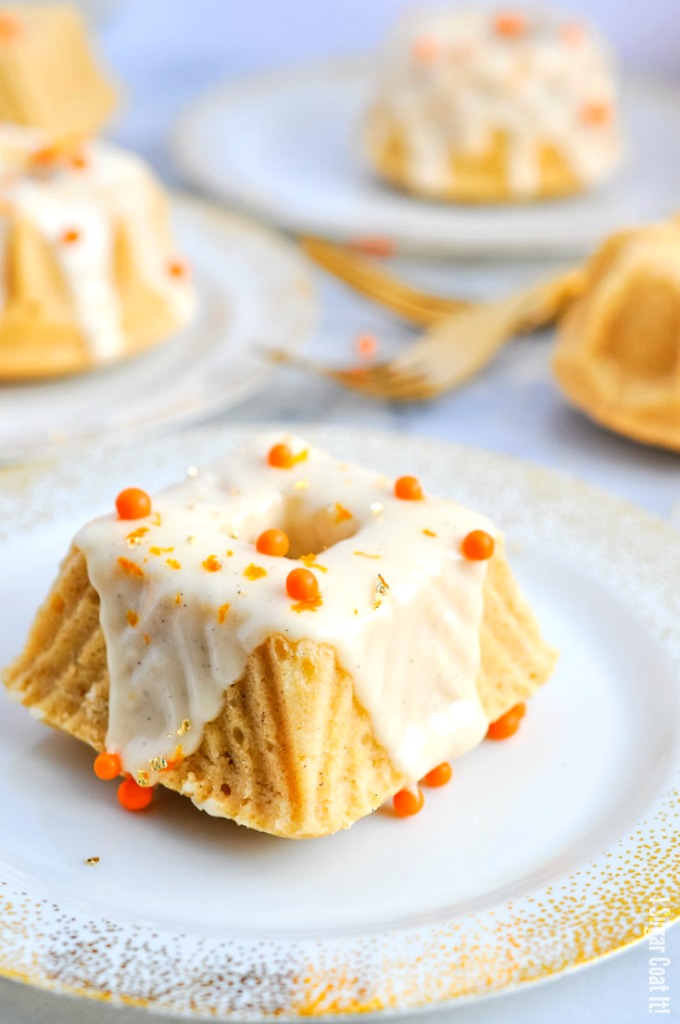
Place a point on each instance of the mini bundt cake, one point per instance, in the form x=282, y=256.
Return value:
x=484, y=106
x=90, y=272
x=618, y=351
x=49, y=78
x=286, y=639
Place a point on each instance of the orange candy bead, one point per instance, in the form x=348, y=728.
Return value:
x=273, y=542
x=107, y=766
x=302, y=585
x=134, y=797
x=510, y=24
x=366, y=346
x=508, y=724
x=281, y=456
x=133, y=503
x=596, y=113
x=439, y=776
x=478, y=546
x=408, y=488
x=406, y=803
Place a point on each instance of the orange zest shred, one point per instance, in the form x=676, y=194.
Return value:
x=429, y=533
x=342, y=513
x=154, y=550
x=135, y=536
x=178, y=598
x=254, y=572
x=211, y=564
x=222, y=612
x=311, y=563
x=173, y=563
x=147, y=639
x=132, y=617
x=366, y=554
x=131, y=568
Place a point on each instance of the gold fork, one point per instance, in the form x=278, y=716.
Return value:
x=368, y=278
x=455, y=347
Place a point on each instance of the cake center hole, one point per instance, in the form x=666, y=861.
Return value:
x=312, y=534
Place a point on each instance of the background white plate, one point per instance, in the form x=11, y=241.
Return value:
x=286, y=147
x=253, y=289
x=546, y=852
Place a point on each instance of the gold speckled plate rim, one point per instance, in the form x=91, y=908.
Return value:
x=598, y=909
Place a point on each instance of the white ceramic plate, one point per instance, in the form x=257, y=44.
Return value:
x=286, y=147
x=253, y=290
x=546, y=852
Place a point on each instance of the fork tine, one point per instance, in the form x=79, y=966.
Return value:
x=366, y=277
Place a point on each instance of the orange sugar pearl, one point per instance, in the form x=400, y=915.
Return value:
x=273, y=542
x=508, y=724
x=281, y=457
x=107, y=766
x=406, y=803
x=133, y=503
x=374, y=246
x=177, y=268
x=134, y=797
x=439, y=776
x=426, y=49
x=302, y=585
x=572, y=33
x=366, y=346
x=70, y=236
x=596, y=113
x=478, y=546
x=510, y=24
x=408, y=488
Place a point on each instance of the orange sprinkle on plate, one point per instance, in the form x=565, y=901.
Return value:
x=406, y=803
x=508, y=724
x=439, y=776
x=107, y=766
x=134, y=797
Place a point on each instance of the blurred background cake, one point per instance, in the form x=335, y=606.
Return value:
x=486, y=106
x=90, y=270
x=618, y=352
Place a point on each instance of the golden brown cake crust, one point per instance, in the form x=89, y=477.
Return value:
x=476, y=178
x=291, y=752
x=618, y=351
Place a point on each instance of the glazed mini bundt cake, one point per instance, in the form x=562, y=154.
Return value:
x=49, y=78
x=286, y=639
x=485, y=106
x=90, y=270
x=618, y=351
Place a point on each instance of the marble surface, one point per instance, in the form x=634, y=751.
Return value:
x=166, y=57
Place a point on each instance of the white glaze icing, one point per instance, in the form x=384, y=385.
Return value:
x=413, y=652
x=114, y=188
x=476, y=82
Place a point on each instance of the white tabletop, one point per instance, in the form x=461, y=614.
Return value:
x=168, y=52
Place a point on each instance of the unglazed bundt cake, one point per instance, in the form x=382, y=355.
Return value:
x=486, y=106
x=286, y=639
x=618, y=351
x=90, y=272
